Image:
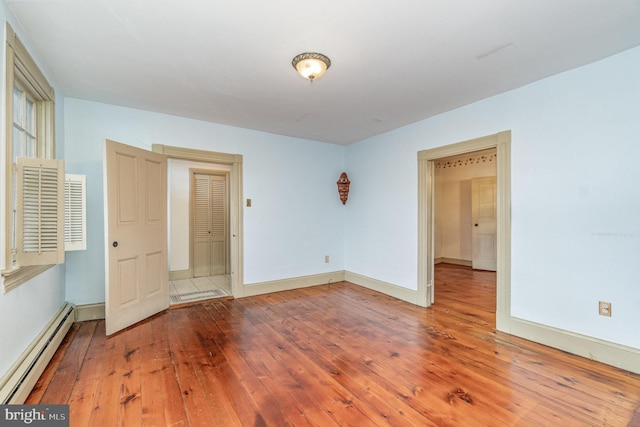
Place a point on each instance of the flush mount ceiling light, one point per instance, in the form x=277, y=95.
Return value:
x=311, y=65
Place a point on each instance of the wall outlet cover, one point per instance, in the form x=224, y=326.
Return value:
x=604, y=308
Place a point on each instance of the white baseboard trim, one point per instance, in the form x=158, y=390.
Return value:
x=624, y=357
x=180, y=275
x=621, y=356
x=18, y=382
x=454, y=261
x=293, y=283
x=90, y=312
x=404, y=294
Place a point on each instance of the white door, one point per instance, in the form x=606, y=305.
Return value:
x=210, y=218
x=483, y=211
x=135, y=234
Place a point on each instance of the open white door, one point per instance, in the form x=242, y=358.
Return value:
x=483, y=211
x=135, y=235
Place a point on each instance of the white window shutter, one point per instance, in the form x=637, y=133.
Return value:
x=75, y=216
x=40, y=211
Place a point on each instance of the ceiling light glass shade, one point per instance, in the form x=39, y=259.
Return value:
x=311, y=65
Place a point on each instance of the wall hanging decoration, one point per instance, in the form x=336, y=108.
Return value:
x=343, y=187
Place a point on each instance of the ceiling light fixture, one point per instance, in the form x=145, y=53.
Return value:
x=311, y=65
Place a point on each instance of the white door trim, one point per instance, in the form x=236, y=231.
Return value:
x=235, y=203
x=502, y=143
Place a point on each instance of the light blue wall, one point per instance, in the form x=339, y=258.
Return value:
x=575, y=196
x=26, y=310
x=296, y=216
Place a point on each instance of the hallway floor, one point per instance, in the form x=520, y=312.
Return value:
x=199, y=288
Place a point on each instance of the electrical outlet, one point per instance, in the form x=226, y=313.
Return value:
x=326, y=259
x=248, y=203
x=604, y=308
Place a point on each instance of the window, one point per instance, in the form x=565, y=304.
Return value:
x=29, y=128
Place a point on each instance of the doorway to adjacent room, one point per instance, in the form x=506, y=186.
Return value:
x=427, y=159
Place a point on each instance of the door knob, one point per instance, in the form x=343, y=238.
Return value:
x=115, y=244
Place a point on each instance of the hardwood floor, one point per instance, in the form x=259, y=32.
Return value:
x=333, y=355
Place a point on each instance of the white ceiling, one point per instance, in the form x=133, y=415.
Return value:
x=394, y=62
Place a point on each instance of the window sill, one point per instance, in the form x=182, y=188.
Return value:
x=18, y=275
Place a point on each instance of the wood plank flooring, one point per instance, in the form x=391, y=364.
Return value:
x=334, y=355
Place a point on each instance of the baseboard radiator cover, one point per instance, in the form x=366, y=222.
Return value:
x=18, y=382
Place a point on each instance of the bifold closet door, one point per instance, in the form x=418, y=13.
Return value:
x=210, y=225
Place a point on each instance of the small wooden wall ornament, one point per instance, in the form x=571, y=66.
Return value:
x=343, y=187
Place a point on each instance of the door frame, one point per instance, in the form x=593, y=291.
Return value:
x=227, y=174
x=426, y=167
x=236, y=243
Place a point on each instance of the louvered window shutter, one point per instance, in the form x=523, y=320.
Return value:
x=75, y=228
x=40, y=211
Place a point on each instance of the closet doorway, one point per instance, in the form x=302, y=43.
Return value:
x=200, y=240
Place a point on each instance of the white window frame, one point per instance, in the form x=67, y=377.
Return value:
x=22, y=70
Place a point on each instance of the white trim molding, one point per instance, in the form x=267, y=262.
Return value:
x=293, y=283
x=404, y=294
x=618, y=355
x=90, y=312
x=453, y=261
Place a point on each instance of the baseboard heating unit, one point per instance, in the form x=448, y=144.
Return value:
x=18, y=382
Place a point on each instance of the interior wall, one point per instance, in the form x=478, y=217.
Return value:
x=296, y=216
x=35, y=302
x=452, y=202
x=575, y=198
x=179, y=202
